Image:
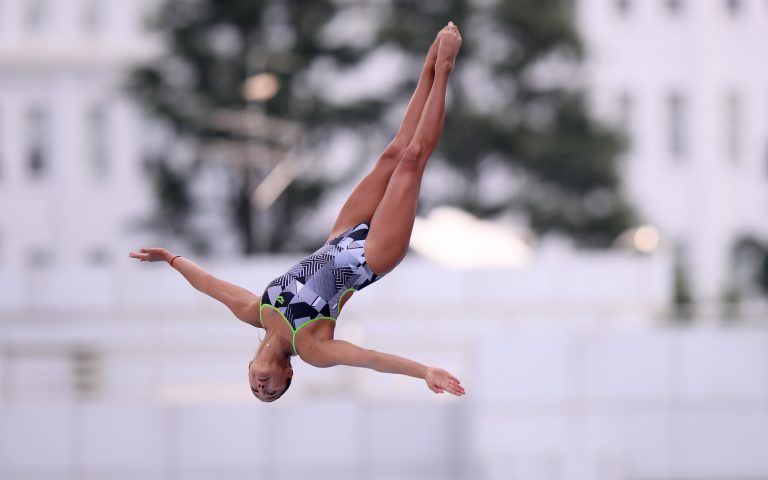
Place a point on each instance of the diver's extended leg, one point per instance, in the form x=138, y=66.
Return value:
x=392, y=222
x=364, y=199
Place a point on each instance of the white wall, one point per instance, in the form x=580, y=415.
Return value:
x=69, y=215
x=647, y=403
x=587, y=384
x=541, y=403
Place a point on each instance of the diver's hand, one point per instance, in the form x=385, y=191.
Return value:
x=152, y=255
x=439, y=381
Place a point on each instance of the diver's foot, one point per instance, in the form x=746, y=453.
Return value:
x=432, y=54
x=450, y=42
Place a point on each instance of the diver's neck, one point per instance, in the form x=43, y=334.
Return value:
x=274, y=348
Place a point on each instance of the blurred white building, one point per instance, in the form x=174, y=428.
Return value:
x=684, y=78
x=688, y=81
x=72, y=183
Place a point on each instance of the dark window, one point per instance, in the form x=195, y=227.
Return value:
x=676, y=125
x=98, y=142
x=734, y=7
x=682, y=286
x=154, y=141
x=87, y=374
x=733, y=126
x=766, y=158
x=93, y=13
x=37, y=148
x=675, y=7
x=35, y=14
x=98, y=256
x=623, y=6
x=766, y=155
x=39, y=257
x=625, y=113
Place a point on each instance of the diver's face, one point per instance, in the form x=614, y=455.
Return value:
x=268, y=382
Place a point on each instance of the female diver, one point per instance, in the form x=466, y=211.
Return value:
x=369, y=239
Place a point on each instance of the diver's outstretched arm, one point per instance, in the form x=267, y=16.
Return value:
x=243, y=303
x=339, y=352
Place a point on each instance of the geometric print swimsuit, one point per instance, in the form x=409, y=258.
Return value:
x=313, y=288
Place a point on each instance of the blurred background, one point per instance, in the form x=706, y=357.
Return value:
x=590, y=257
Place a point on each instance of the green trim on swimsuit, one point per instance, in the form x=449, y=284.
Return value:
x=293, y=340
x=278, y=311
x=341, y=304
x=304, y=325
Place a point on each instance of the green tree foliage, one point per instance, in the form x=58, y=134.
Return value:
x=508, y=107
x=536, y=126
x=211, y=48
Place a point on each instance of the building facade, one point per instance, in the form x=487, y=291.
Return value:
x=72, y=184
x=687, y=82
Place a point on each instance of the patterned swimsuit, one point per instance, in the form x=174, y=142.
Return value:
x=313, y=288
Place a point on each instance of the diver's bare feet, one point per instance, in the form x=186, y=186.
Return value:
x=432, y=54
x=450, y=42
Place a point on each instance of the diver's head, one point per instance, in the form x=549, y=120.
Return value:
x=269, y=373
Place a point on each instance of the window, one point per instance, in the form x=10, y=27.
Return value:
x=766, y=156
x=625, y=108
x=624, y=112
x=97, y=127
x=37, y=148
x=675, y=7
x=87, y=375
x=734, y=7
x=747, y=254
x=39, y=257
x=154, y=139
x=733, y=126
x=766, y=159
x=35, y=14
x=682, y=285
x=93, y=15
x=97, y=256
x=676, y=125
x=623, y=6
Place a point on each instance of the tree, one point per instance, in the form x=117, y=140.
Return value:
x=504, y=112
x=536, y=125
x=196, y=87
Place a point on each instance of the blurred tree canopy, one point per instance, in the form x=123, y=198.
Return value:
x=513, y=105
